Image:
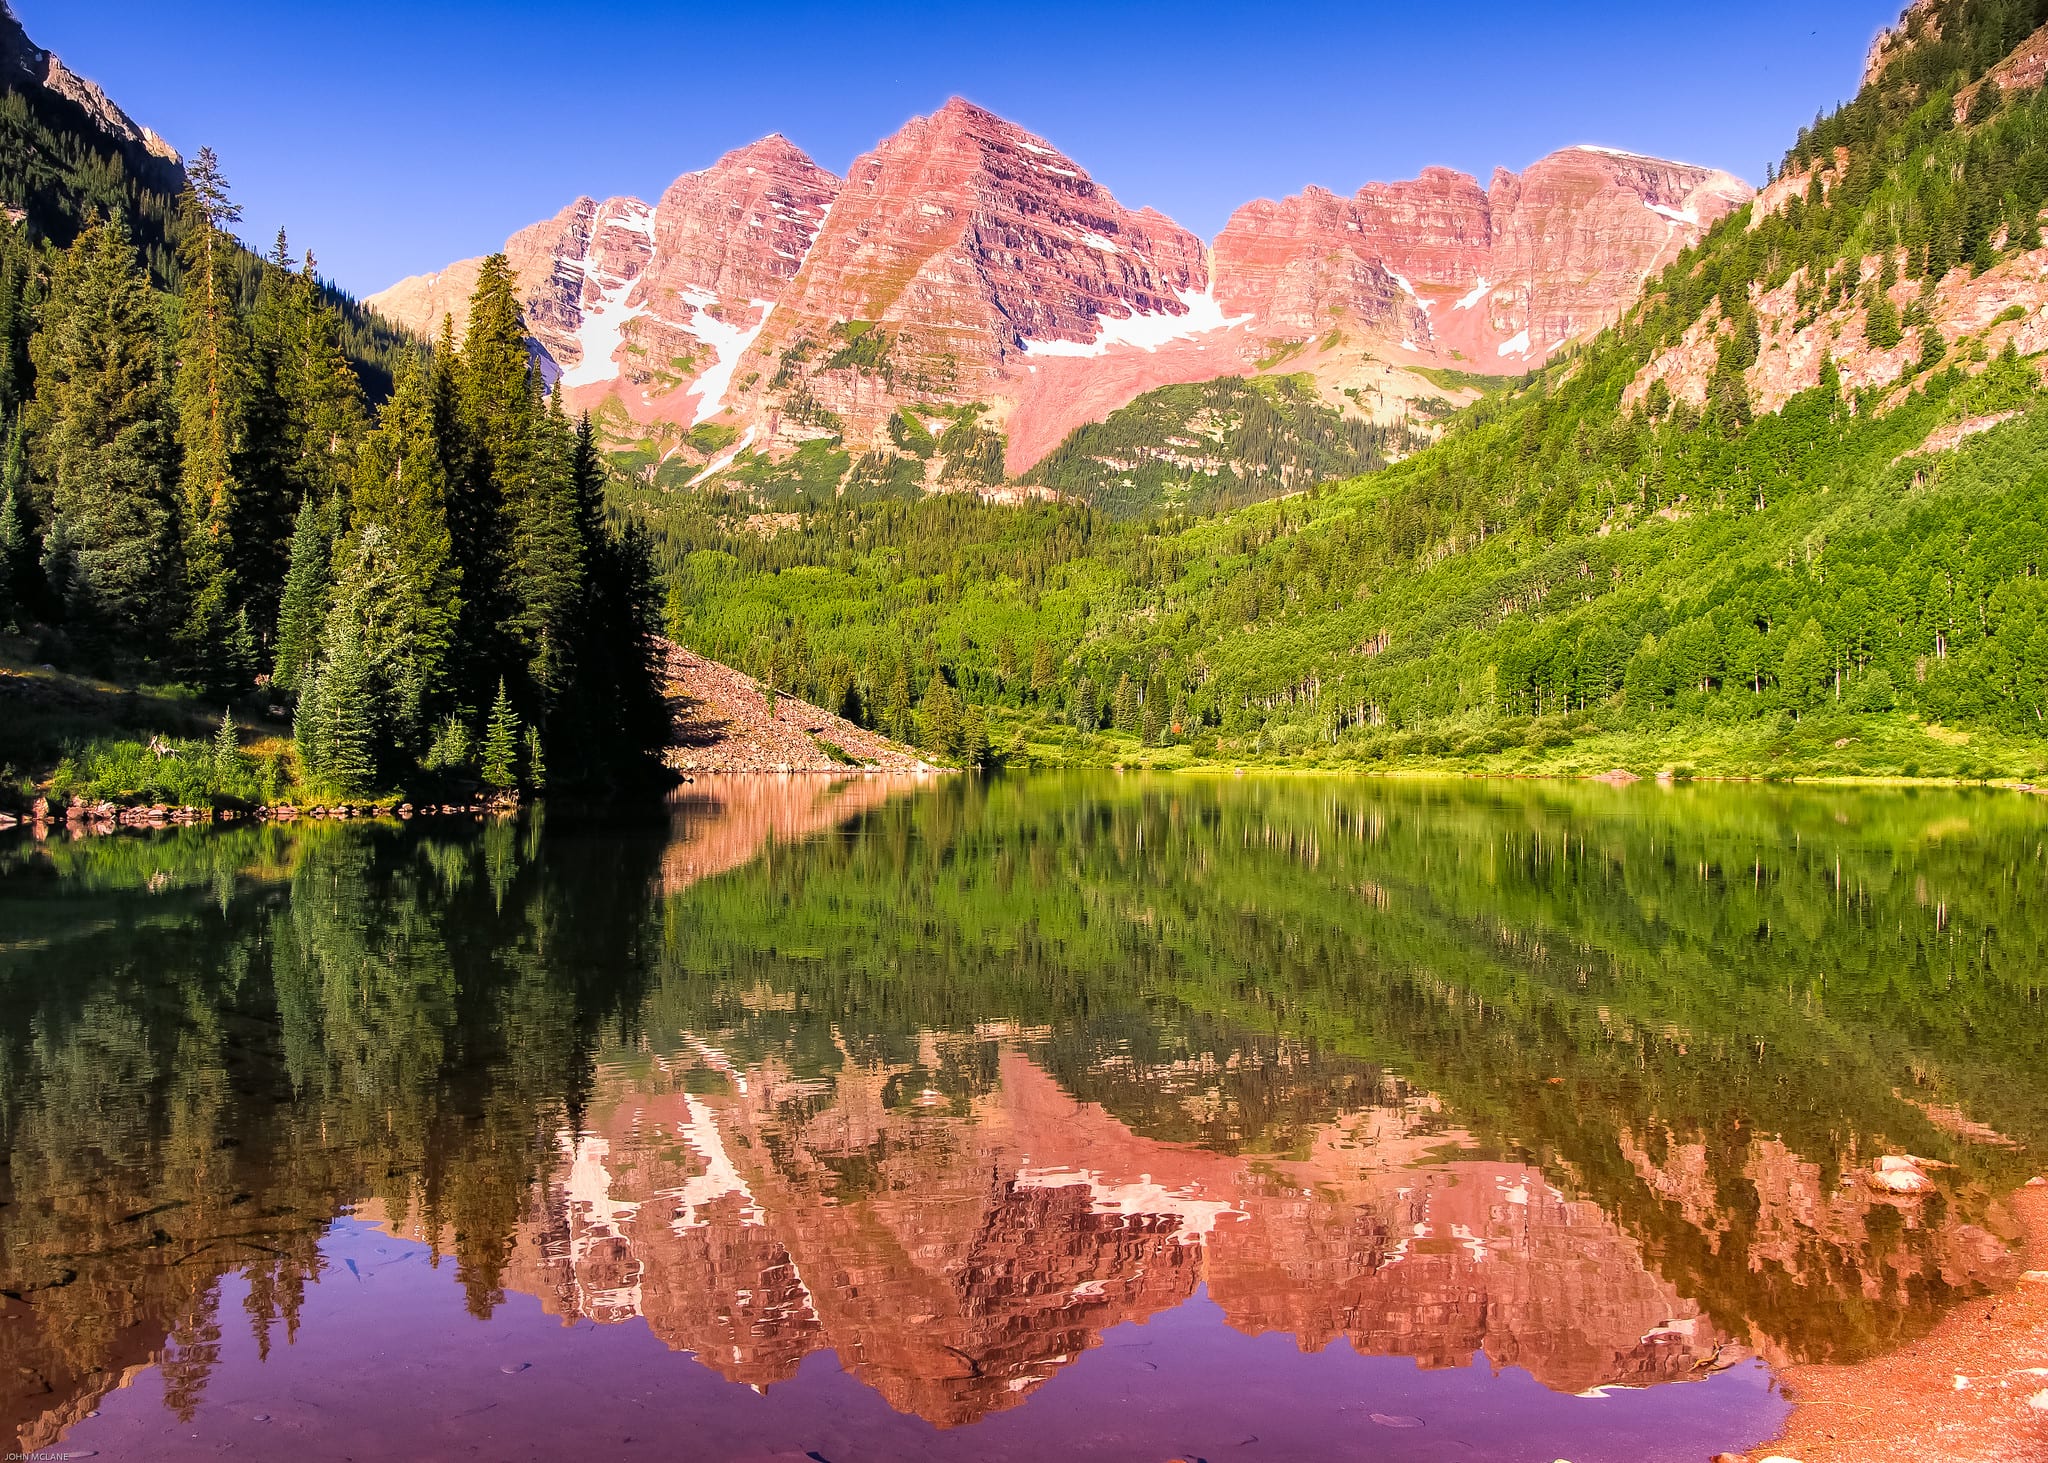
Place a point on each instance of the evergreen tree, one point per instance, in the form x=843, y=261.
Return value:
x=974, y=751
x=1083, y=706
x=227, y=752
x=303, y=612
x=536, y=766
x=347, y=707
x=394, y=570
x=101, y=437
x=939, y=718
x=212, y=391
x=16, y=544
x=1127, y=705
x=501, y=743
x=1154, y=717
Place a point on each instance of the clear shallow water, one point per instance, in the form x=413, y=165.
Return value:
x=1095, y=1118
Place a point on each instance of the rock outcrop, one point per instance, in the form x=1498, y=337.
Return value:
x=25, y=64
x=1441, y=272
x=726, y=721
x=971, y=274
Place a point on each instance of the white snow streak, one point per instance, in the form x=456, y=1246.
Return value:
x=1473, y=296
x=729, y=341
x=1686, y=216
x=1519, y=346
x=1144, y=331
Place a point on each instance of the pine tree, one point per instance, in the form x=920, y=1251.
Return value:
x=394, y=574
x=227, y=752
x=100, y=432
x=306, y=418
x=213, y=398
x=536, y=765
x=15, y=539
x=1086, y=714
x=939, y=717
x=501, y=742
x=1804, y=671
x=303, y=613
x=1153, y=723
x=1127, y=709
x=348, y=710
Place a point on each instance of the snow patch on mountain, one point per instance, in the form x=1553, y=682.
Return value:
x=728, y=343
x=1519, y=346
x=1145, y=331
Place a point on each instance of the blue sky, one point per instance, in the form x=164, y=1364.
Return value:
x=394, y=137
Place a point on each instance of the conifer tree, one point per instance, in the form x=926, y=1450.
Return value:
x=16, y=542
x=394, y=575
x=213, y=397
x=227, y=751
x=501, y=742
x=1126, y=712
x=101, y=435
x=1083, y=706
x=348, y=710
x=303, y=612
x=940, y=718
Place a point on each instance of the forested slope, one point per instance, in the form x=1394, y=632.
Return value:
x=1595, y=566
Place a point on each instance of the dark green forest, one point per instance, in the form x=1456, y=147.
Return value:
x=200, y=490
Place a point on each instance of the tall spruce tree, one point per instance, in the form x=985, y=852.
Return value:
x=213, y=390
x=499, y=763
x=102, y=438
x=302, y=614
x=394, y=575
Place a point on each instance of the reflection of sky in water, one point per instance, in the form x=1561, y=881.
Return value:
x=1071, y=1117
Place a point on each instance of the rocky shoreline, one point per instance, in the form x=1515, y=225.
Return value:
x=80, y=819
x=1972, y=1390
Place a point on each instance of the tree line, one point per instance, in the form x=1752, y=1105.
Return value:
x=196, y=486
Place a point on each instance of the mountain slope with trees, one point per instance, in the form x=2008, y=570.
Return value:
x=1580, y=574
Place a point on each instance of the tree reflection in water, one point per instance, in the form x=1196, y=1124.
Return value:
x=951, y=1079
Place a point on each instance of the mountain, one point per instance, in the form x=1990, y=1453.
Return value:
x=1782, y=516
x=969, y=278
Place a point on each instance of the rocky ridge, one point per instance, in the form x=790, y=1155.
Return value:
x=970, y=282
x=25, y=64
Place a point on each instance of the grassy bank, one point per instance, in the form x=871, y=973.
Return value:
x=1888, y=747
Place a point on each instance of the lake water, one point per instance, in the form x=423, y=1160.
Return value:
x=1077, y=1118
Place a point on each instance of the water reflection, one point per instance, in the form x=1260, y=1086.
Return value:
x=952, y=1083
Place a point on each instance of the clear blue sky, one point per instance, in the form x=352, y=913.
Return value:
x=394, y=137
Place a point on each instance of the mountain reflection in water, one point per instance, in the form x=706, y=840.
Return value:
x=954, y=1082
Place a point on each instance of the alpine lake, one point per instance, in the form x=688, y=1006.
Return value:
x=1058, y=1117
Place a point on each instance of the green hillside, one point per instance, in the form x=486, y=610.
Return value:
x=1563, y=583
x=1215, y=446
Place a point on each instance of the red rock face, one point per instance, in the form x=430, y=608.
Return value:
x=965, y=244
x=968, y=265
x=1439, y=272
